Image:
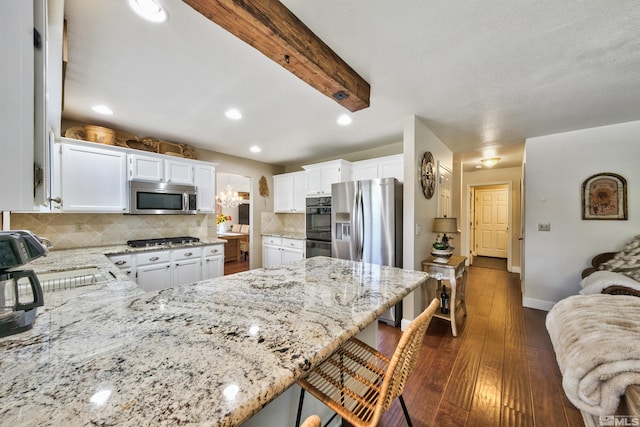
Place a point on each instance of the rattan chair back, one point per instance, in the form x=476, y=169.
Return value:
x=359, y=383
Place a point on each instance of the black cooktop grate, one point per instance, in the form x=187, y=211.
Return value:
x=162, y=241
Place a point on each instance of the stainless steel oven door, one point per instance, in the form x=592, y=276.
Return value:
x=318, y=248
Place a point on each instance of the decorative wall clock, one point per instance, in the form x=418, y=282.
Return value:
x=427, y=175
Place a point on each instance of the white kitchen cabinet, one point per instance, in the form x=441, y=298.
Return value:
x=289, y=192
x=186, y=265
x=126, y=263
x=154, y=270
x=212, y=261
x=178, y=172
x=320, y=176
x=205, y=180
x=145, y=168
x=277, y=250
x=391, y=167
x=157, y=169
x=25, y=119
x=381, y=167
x=92, y=179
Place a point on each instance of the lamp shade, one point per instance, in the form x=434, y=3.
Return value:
x=445, y=225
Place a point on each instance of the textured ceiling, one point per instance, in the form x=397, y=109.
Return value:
x=482, y=75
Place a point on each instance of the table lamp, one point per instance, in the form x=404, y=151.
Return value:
x=442, y=249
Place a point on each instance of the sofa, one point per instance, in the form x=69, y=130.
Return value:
x=596, y=339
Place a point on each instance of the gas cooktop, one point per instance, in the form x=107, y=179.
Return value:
x=164, y=241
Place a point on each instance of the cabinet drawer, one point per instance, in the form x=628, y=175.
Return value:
x=293, y=243
x=147, y=258
x=270, y=240
x=123, y=261
x=214, y=250
x=186, y=253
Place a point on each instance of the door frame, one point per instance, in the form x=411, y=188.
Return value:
x=471, y=189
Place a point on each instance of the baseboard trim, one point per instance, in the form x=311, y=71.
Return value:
x=515, y=269
x=537, y=304
x=404, y=324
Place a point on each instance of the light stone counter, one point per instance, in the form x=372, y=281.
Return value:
x=211, y=353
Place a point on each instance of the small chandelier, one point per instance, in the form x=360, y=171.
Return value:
x=229, y=199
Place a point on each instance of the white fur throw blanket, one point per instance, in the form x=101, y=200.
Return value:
x=597, y=343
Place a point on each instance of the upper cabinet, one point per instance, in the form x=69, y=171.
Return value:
x=381, y=167
x=89, y=179
x=156, y=169
x=320, y=176
x=205, y=180
x=24, y=122
x=289, y=192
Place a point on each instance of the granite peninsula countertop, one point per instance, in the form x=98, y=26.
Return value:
x=210, y=353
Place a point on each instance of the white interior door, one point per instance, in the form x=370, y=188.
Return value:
x=492, y=221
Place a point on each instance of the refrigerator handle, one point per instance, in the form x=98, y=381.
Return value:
x=359, y=225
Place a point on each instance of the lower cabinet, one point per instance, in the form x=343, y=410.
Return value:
x=212, y=261
x=153, y=270
x=163, y=269
x=281, y=250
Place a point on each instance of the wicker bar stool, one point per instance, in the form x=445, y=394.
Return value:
x=312, y=421
x=359, y=383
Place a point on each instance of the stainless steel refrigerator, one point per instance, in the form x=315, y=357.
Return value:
x=366, y=225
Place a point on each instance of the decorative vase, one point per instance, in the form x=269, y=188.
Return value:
x=222, y=227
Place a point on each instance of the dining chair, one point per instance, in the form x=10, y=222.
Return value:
x=312, y=421
x=359, y=383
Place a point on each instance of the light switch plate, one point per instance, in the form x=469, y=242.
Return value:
x=544, y=227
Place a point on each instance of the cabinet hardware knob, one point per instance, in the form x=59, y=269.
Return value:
x=154, y=258
x=120, y=262
x=188, y=254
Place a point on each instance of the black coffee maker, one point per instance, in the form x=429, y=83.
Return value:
x=20, y=290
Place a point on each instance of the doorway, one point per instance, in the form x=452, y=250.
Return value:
x=490, y=211
x=236, y=222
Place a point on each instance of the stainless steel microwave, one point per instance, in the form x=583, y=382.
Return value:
x=161, y=198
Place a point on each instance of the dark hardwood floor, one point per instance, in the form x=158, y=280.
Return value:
x=236, y=266
x=500, y=370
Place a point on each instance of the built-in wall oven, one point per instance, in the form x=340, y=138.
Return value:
x=318, y=226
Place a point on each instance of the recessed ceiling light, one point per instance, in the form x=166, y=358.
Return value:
x=344, y=120
x=149, y=10
x=102, y=109
x=255, y=149
x=233, y=114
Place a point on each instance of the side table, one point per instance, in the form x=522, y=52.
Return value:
x=453, y=270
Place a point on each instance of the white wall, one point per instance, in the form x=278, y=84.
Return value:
x=556, y=166
x=418, y=210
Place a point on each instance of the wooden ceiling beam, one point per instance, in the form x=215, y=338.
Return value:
x=274, y=30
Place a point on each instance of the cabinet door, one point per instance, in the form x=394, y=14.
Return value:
x=186, y=271
x=271, y=255
x=299, y=192
x=392, y=167
x=283, y=195
x=291, y=255
x=145, y=168
x=154, y=277
x=330, y=175
x=363, y=170
x=177, y=172
x=314, y=181
x=93, y=179
x=212, y=267
x=205, y=180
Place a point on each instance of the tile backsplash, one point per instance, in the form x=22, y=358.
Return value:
x=67, y=231
x=276, y=223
